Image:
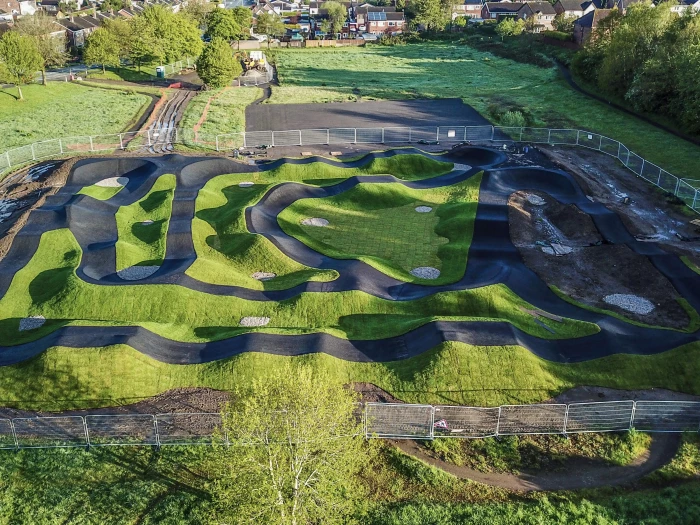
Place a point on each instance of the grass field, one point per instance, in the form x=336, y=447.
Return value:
x=225, y=111
x=100, y=193
x=485, y=81
x=63, y=110
x=379, y=224
x=142, y=226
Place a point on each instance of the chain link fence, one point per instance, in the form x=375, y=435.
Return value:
x=381, y=420
x=688, y=190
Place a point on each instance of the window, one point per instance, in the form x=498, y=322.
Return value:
x=392, y=23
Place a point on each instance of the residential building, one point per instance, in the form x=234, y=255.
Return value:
x=539, y=14
x=623, y=5
x=469, y=9
x=78, y=28
x=686, y=5
x=584, y=26
x=577, y=8
x=50, y=6
x=497, y=10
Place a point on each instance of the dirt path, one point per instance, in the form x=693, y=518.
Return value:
x=579, y=474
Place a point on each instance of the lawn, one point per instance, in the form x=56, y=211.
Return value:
x=228, y=254
x=142, y=227
x=64, y=110
x=379, y=224
x=485, y=81
x=216, y=112
x=100, y=193
x=49, y=286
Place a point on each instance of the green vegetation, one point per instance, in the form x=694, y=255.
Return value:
x=228, y=254
x=142, y=227
x=379, y=224
x=217, y=67
x=64, y=110
x=690, y=264
x=693, y=316
x=481, y=79
x=101, y=193
x=48, y=286
x=545, y=452
x=221, y=111
x=452, y=373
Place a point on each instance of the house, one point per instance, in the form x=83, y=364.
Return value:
x=50, y=6
x=78, y=28
x=315, y=6
x=260, y=9
x=497, y=10
x=379, y=20
x=539, y=14
x=577, y=8
x=623, y=5
x=686, y=5
x=469, y=9
x=584, y=26
x=281, y=7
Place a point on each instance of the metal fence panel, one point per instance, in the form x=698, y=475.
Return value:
x=531, y=419
x=286, y=138
x=599, y=417
x=21, y=155
x=465, y=422
x=563, y=136
x=47, y=148
x=112, y=142
x=667, y=182
x=314, y=136
x=536, y=135
x=397, y=134
x=477, y=133
x=341, y=136
x=623, y=153
x=257, y=138
x=686, y=192
x=507, y=134
x=589, y=140
x=130, y=429
x=636, y=163
x=395, y=420
x=50, y=432
x=230, y=141
x=369, y=135
x=666, y=416
x=426, y=133
x=451, y=133
x=77, y=144
x=5, y=161
x=187, y=428
x=7, y=434
x=609, y=146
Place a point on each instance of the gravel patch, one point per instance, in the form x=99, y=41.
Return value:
x=254, y=321
x=264, y=276
x=424, y=209
x=136, y=273
x=113, y=182
x=426, y=272
x=30, y=323
x=147, y=223
x=536, y=200
x=315, y=221
x=461, y=167
x=246, y=184
x=631, y=303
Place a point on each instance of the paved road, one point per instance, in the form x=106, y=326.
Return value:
x=492, y=259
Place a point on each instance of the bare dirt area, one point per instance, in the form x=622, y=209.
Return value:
x=27, y=190
x=582, y=394
x=650, y=214
x=562, y=245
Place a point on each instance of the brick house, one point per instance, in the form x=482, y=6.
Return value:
x=496, y=10
x=78, y=28
x=577, y=8
x=540, y=14
x=469, y=9
x=584, y=26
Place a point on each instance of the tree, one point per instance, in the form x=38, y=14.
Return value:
x=400, y=5
x=295, y=450
x=244, y=17
x=120, y=29
x=21, y=58
x=222, y=23
x=506, y=27
x=431, y=14
x=269, y=24
x=102, y=48
x=144, y=47
x=337, y=15
x=564, y=23
x=217, y=66
x=113, y=5
x=41, y=27
x=198, y=10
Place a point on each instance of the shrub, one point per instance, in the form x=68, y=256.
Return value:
x=557, y=35
x=513, y=119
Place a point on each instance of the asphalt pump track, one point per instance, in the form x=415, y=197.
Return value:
x=492, y=259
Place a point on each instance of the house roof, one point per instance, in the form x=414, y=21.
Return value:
x=544, y=8
x=574, y=5
x=504, y=7
x=376, y=9
x=591, y=19
x=473, y=2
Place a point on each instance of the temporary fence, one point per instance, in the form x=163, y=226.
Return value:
x=685, y=189
x=380, y=420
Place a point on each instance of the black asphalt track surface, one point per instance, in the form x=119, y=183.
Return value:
x=385, y=114
x=492, y=259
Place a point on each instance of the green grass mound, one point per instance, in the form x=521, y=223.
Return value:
x=379, y=224
x=228, y=254
x=142, y=227
x=100, y=193
x=48, y=286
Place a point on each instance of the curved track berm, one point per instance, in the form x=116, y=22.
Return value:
x=492, y=259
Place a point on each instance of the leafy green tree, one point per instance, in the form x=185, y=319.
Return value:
x=223, y=23
x=113, y=5
x=244, y=17
x=295, y=450
x=431, y=14
x=337, y=15
x=510, y=27
x=400, y=5
x=564, y=23
x=198, y=10
x=144, y=46
x=41, y=27
x=101, y=48
x=188, y=38
x=216, y=66
x=269, y=24
x=120, y=29
x=21, y=59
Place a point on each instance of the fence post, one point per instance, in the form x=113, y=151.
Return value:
x=619, y=149
x=355, y=141
x=92, y=147
x=549, y=136
x=465, y=133
x=60, y=145
x=382, y=135
x=7, y=154
x=14, y=434
x=409, y=135
x=566, y=418
x=521, y=135
x=155, y=429
x=641, y=170
x=148, y=134
x=634, y=409
x=121, y=141
x=695, y=199
x=301, y=143
x=627, y=164
x=493, y=133
x=87, y=432
x=244, y=141
x=33, y=153
x=272, y=137
x=217, y=143
x=498, y=421
x=432, y=422
x=678, y=185
x=658, y=181
x=328, y=136
x=600, y=144
x=437, y=133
